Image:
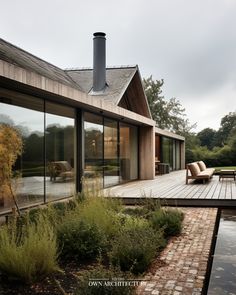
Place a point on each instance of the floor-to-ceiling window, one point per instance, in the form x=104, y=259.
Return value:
x=157, y=147
x=27, y=117
x=60, y=151
x=93, y=149
x=165, y=150
x=111, y=151
x=177, y=151
x=171, y=142
x=46, y=168
x=128, y=152
x=173, y=154
x=111, y=160
x=170, y=152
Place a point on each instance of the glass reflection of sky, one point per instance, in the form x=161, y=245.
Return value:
x=33, y=120
x=91, y=126
x=23, y=116
x=63, y=121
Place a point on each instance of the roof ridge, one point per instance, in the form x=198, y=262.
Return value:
x=108, y=68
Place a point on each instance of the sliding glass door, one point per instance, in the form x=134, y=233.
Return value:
x=111, y=151
x=60, y=151
x=111, y=160
x=93, y=149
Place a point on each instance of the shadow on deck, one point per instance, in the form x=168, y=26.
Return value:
x=172, y=190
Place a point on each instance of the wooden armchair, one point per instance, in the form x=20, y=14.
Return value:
x=60, y=169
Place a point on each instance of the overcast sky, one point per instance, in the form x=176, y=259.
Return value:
x=190, y=44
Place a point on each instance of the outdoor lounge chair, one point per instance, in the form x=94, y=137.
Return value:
x=60, y=169
x=198, y=170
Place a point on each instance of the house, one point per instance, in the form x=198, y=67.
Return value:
x=79, y=124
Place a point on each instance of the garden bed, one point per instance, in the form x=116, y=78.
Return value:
x=59, y=249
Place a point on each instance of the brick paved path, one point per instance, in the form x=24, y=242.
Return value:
x=184, y=260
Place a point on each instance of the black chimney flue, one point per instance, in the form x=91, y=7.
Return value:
x=99, y=61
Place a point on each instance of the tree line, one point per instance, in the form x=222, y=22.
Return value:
x=215, y=147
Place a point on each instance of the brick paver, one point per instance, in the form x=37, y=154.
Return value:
x=184, y=260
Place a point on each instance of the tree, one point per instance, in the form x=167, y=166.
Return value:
x=168, y=114
x=11, y=147
x=227, y=127
x=207, y=137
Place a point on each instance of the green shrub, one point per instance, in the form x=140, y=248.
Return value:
x=151, y=204
x=101, y=212
x=135, y=245
x=79, y=240
x=168, y=219
x=63, y=207
x=138, y=211
x=52, y=215
x=28, y=252
x=88, y=228
x=92, y=282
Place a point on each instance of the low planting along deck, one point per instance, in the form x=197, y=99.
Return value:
x=172, y=190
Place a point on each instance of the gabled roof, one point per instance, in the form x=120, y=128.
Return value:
x=17, y=56
x=117, y=78
x=124, y=84
x=124, y=87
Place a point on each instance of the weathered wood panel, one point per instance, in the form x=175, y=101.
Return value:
x=171, y=189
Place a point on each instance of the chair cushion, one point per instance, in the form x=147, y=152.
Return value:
x=206, y=173
x=194, y=169
x=201, y=165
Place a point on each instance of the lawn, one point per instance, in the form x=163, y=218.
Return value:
x=217, y=169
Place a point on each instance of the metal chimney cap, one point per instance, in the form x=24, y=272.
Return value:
x=99, y=34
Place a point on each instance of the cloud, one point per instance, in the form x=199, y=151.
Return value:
x=190, y=44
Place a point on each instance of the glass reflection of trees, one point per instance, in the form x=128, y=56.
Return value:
x=93, y=137
x=41, y=144
x=60, y=151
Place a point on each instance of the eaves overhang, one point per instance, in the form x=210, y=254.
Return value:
x=168, y=134
x=22, y=80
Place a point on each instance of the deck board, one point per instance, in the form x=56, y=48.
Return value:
x=171, y=188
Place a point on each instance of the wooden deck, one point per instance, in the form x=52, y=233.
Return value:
x=172, y=190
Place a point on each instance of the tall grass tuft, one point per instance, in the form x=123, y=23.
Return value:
x=28, y=252
x=100, y=211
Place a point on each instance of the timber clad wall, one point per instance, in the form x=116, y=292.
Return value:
x=146, y=152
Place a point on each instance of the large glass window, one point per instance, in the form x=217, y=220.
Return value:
x=177, y=155
x=171, y=152
x=25, y=115
x=165, y=150
x=128, y=152
x=46, y=168
x=174, y=154
x=111, y=162
x=60, y=151
x=111, y=151
x=93, y=149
